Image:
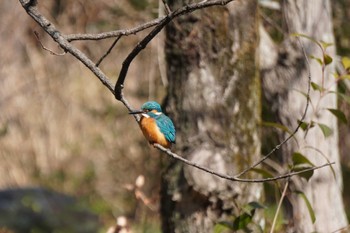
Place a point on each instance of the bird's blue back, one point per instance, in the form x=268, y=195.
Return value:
x=165, y=126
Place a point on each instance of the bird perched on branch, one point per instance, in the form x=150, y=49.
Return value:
x=155, y=125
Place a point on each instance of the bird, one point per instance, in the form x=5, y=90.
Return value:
x=155, y=125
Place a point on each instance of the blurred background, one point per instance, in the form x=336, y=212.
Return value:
x=60, y=128
x=64, y=137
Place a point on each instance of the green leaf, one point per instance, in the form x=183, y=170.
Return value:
x=218, y=228
x=339, y=114
x=309, y=38
x=299, y=159
x=319, y=60
x=275, y=125
x=300, y=162
x=222, y=226
x=307, y=174
x=242, y=221
x=246, y=217
x=346, y=62
x=308, y=205
x=262, y=172
x=251, y=207
x=301, y=92
x=316, y=87
x=327, y=59
x=325, y=130
x=304, y=125
x=325, y=44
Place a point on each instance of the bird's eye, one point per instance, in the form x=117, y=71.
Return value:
x=146, y=110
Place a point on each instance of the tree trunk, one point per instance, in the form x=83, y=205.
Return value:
x=284, y=74
x=214, y=99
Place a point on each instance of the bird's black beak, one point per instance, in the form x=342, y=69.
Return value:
x=136, y=112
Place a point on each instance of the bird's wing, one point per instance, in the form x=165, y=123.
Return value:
x=167, y=127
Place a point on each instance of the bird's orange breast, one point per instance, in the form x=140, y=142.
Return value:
x=151, y=131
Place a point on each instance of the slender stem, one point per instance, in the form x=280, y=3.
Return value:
x=279, y=206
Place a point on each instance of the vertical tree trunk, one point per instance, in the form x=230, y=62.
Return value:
x=214, y=99
x=284, y=74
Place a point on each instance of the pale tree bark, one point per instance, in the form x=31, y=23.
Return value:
x=214, y=96
x=285, y=73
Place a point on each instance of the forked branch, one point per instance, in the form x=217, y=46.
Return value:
x=162, y=23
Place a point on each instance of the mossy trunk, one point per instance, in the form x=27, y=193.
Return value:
x=214, y=99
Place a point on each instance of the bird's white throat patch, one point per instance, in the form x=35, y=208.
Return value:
x=147, y=116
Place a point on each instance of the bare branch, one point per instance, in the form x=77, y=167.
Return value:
x=117, y=33
x=236, y=177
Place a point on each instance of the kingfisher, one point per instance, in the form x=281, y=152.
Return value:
x=155, y=125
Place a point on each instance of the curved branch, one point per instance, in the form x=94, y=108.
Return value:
x=236, y=177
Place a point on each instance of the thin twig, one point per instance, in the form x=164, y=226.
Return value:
x=45, y=48
x=166, y=6
x=108, y=51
